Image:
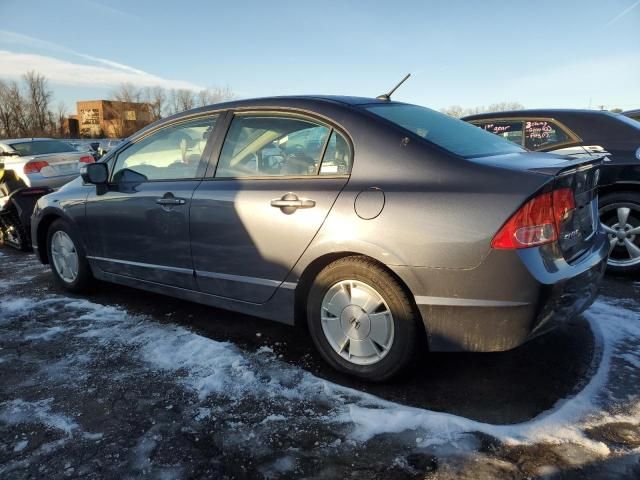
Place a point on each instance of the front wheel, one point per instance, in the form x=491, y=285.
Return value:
x=67, y=258
x=620, y=218
x=361, y=319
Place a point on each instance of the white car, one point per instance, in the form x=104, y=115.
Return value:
x=43, y=162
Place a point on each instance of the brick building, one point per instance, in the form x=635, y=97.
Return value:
x=111, y=119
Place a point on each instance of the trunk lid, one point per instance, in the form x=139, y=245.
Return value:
x=60, y=164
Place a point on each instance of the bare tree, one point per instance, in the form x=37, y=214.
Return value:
x=181, y=100
x=213, y=95
x=156, y=97
x=61, y=116
x=457, y=111
x=18, y=110
x=38, y=100
x=127, y=92
x=6, y=121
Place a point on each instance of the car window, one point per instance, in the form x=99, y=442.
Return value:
x=542, y=134
x=42, y=147
x=175, y=152
x=258, y=146
x=508, y=129
x=337, y=157
x=456, y=136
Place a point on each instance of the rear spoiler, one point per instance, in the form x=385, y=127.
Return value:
x=570, y=167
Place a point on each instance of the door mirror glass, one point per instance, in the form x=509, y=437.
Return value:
x=95, y=173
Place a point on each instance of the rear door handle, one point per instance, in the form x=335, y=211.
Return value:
x=290, y=202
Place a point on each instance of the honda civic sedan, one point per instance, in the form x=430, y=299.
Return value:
x=388, y=227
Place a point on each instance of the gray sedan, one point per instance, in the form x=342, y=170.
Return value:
x=43, y=162
x=389, y=228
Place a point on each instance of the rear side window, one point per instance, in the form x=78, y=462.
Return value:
x=508, y=129
x=456, y=136
x=337, y=157
x=543, y=133
x=259, y=146
x=42, y=147
x=172, y=153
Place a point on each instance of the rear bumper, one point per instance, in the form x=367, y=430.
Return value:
x=37, y=180
x=511, y=297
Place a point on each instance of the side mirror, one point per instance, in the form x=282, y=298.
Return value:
x=95, y=173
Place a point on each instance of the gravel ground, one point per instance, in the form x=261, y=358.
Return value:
x=124, y=384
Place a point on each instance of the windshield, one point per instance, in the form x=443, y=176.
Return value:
x=456, y=136
x=42, y=147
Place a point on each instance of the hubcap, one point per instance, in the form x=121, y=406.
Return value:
x=357, y=322
x=622, y=224
x=64, y=256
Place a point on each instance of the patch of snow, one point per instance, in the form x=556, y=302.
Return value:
x=21, y=445
x=45, y=335
x=20, y=411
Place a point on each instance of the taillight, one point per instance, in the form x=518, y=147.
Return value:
x=35, y=166
x=537, y=222
x=87, y=159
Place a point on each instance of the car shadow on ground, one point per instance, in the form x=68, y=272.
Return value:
x=501, y=388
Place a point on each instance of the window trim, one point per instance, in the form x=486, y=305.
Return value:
x=574, y=139
x=276, y=112
x=204, y=159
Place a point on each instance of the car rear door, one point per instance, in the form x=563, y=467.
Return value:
x=139, y=226
x=277, y=177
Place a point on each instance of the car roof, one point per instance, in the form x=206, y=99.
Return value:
x=632, y=112
x=537, y=112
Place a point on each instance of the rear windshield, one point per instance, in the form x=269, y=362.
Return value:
x=456, y=136
x=42, y=147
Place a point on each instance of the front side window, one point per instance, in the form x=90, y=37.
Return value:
x=259, y=146
x=540, y=134
x=173, y=153
x=508, y=129
x=456, y=136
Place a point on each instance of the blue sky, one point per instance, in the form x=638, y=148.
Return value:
x=469, y=53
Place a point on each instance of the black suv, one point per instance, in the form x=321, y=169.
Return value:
x=584, y=133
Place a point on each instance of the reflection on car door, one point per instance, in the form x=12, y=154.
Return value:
x=269, y=197
x=140, y=226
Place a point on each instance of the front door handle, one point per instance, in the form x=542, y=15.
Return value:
x=290, y=202
x=169, y=199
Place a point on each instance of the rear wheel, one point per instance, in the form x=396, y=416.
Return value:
x=620, y=218
x=67, y=258
x=361, y=319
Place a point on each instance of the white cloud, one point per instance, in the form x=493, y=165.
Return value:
x=107, y=74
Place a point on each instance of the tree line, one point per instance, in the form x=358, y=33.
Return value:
x=27, y=110
x=458, y=112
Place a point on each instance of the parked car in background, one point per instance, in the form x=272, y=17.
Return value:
x=107, y=144
x=635, y=114
x=388, y=226
x=584, y=134
x=43, y=162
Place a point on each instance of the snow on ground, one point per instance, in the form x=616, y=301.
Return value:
x=226, y=383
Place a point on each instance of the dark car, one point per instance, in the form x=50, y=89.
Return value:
x=584, y=134
x=406, y=229
x=635, y=114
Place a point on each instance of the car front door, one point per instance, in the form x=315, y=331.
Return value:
x=276, y=180
x=139, y=225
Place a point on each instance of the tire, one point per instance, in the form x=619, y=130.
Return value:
x=13, y=233
x=390, y=343
x=612, y=208
x=83, y=279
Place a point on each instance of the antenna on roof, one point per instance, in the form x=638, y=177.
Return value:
x=387, y=96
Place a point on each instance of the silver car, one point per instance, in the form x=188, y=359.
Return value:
x=43, y=162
